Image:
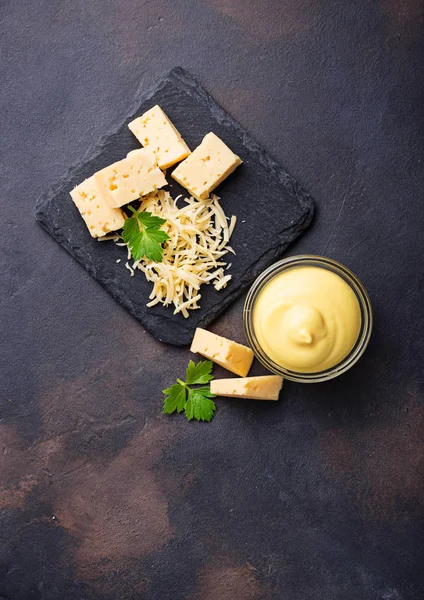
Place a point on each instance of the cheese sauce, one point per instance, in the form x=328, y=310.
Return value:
x=307, y=319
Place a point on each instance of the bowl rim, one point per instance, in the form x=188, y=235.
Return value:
x=347, y=275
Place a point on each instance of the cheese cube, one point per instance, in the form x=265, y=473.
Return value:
x=266, y=387
x=128, y=179
x=230, y=355
x=156, y=132
x=206, y=167
x=99, y=217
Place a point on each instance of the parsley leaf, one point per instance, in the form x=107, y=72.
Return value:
x=148, y=244
x=199, y=407
x=200, y=373
x=206, y=391
x=176, y=399
x=143, y=235
x=148, y=219
x=195, y=402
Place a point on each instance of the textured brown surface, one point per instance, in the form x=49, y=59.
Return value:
x=319, y=496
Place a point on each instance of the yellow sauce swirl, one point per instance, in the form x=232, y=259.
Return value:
x=307, y=319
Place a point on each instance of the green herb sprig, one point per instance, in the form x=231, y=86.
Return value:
x=195, y=402
x=144, y=236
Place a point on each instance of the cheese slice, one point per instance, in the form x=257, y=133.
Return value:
x=156, y=132
x=128, y=179
x=99, y=217
x=206, y=167
x=266, y=387
x=230, y=355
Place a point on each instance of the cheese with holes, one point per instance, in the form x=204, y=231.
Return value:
x=126, y=180
x=156, y=132
x=99, y=217
x=266, y=387
x=230, y=355
x=206, y=167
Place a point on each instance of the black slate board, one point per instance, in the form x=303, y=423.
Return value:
x=271, y=207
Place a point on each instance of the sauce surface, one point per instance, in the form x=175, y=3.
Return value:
x=307, y=319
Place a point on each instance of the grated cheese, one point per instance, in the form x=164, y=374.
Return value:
x=199, y=234
x=130, y=269
x=107, y=238
x=222, y=282
x=232, y=224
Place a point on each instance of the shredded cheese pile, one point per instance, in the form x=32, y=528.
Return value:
x=199, y=235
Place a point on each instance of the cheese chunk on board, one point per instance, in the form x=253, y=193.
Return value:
x=206, y=167
x=157, y=133
x=266, y=387
x=98, y=215
x=228, y=354
x=126, y=180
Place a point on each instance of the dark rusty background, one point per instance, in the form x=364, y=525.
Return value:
x=317, y=497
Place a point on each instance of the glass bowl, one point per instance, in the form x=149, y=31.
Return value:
x=309, y=260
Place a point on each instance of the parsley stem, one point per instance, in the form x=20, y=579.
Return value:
x=183, y=384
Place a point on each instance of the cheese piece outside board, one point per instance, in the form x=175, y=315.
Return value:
x=265, y=387
x=228, y=354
